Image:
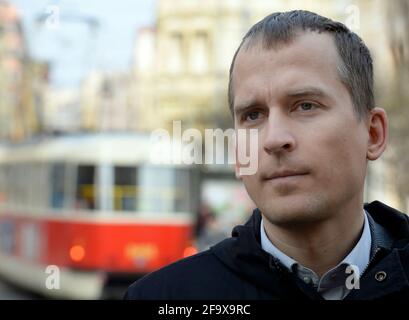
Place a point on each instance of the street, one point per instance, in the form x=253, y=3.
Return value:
x=8, y=292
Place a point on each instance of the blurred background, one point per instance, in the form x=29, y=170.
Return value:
x=83, y=210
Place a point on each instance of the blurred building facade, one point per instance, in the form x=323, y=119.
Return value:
x=182, y=63
x=22, y=81
x=396, y=94
x=62, y=110
x=108, y=102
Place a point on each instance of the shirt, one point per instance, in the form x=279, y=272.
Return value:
x=333, y=284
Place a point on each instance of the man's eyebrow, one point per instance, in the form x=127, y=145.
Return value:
x=306, y=91
x=293, y=93
x=243, y=106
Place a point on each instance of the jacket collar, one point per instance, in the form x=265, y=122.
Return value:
x=389, y=254
x=242, y=253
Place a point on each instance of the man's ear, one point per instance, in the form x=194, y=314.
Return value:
x=378, y=133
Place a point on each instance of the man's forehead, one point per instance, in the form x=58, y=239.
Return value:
x=262, y=41
x=306, y=38
x=307, y=48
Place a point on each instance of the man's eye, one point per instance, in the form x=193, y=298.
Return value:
x=306, y=106
x=254, y=115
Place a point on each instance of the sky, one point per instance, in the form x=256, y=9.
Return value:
x=66, y=38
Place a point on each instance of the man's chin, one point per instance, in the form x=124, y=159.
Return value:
x=293, y=213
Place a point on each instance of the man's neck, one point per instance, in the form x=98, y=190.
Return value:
x=320, y=246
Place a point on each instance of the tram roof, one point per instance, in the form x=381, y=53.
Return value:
x=123, y=148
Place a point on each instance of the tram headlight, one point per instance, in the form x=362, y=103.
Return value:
x=189, y=251
x=77, y=253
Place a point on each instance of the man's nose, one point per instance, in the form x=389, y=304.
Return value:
x=278, y=136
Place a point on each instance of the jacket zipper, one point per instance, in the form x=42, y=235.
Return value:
x=370, y=261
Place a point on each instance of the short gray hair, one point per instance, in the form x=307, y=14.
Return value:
x=355, y=69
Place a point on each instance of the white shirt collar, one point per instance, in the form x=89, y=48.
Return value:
x=359, y=255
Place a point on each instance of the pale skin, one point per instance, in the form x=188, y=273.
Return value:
x=306, y=124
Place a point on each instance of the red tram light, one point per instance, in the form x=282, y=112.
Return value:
x=189, y=251
x=77, y=253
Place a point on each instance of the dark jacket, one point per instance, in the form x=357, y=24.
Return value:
x=238, y=268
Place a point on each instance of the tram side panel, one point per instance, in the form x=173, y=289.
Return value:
x=116, y=247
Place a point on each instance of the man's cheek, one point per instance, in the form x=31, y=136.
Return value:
x=253, y=187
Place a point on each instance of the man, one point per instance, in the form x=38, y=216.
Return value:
x=306, y=84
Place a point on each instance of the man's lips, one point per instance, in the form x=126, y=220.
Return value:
x=284, y=174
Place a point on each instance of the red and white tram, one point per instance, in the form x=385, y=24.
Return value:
x=89, y=211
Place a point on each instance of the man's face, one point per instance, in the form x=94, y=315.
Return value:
x=312, y=149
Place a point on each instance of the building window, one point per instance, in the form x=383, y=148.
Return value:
x=199, y=58
x=175, y=53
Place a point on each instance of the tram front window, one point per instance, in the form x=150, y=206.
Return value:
x=57, y=185
x=163, y=189
x=125, y=189
x=151, y=189
x=85, y=198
